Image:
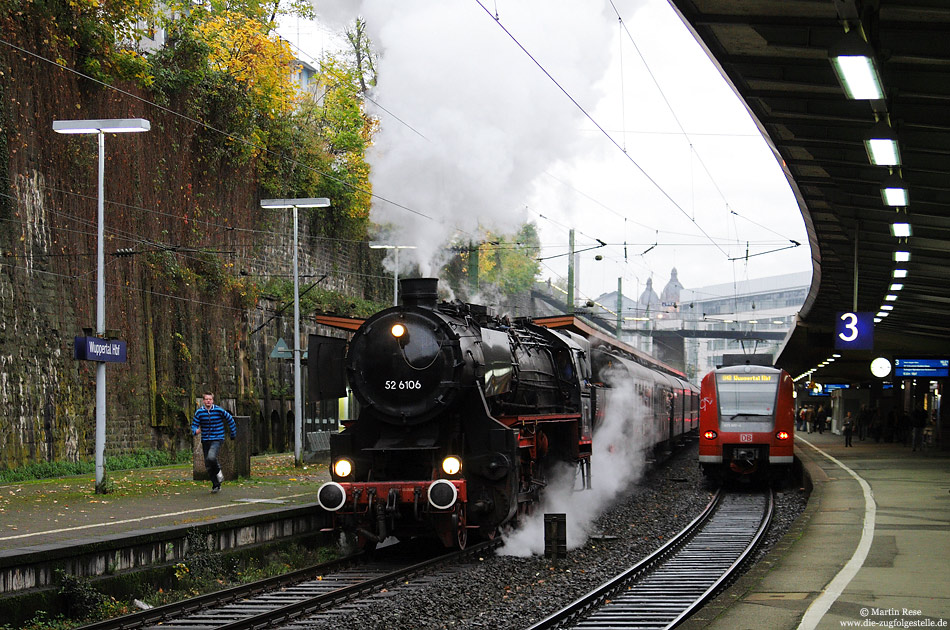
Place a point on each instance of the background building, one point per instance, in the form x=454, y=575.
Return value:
x=692, y=328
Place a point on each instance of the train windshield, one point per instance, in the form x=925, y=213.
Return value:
x=746, y=398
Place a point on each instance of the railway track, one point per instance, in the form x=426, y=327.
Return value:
x=284, y=599
x=676, y=580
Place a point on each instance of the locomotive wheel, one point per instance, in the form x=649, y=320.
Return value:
x=461, y=531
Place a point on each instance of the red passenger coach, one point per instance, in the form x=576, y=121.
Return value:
x=746, y=422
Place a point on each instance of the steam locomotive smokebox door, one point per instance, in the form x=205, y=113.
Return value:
x=326, y=372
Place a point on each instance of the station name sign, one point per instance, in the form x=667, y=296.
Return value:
x=96, y=349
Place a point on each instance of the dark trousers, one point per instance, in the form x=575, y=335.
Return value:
x=210, y=449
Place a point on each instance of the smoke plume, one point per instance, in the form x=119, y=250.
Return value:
x=618, y=461
x=478, y=121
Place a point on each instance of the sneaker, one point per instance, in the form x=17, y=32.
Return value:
x=220, y=476
x=215, y=489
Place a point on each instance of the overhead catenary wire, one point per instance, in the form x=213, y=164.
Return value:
x=679, y=124
x=589, y=117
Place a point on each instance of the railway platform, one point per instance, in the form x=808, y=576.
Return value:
x=66, y=511
x=871, y=549
x=144, y=524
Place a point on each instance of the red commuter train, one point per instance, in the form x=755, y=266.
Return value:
x=746, y=423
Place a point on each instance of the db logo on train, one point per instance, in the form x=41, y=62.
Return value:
x=745, y=437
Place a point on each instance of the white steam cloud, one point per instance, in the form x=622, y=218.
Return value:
x=617, y=462
x=478, y=120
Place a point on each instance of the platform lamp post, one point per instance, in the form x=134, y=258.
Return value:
x=395, y=249
x=309, y=202
x=101, y=128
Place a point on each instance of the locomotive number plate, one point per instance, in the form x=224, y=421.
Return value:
x=745, y=437
x=403, y=385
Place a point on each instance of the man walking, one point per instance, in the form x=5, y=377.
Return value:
x=209, y=424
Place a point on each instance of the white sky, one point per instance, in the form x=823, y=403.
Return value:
x=488, y=140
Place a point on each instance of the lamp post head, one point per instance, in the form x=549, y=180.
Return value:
x=106, y=125
x=304, y=202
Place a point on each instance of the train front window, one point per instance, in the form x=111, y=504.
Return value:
x=746, y=399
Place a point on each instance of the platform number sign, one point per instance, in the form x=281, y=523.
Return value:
x=854, y=331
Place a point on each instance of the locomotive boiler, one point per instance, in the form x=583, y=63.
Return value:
x=462, y=417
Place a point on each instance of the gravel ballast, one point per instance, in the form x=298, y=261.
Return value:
x=505, y=591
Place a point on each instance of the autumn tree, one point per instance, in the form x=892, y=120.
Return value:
x=507, y=263
x=364, y=57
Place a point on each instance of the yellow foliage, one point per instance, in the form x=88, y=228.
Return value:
x=242, y=47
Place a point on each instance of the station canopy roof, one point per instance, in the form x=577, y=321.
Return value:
x=776, y=55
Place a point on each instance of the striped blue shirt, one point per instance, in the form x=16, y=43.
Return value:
x=212, y=423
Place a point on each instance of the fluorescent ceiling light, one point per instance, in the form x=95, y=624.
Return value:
x=881, y=145
x=901, y=256
x=894, y=191
x=853, y=60
x=894, y=196
x=900, y=273
x=901, y=230
x=890, y=297
x=883, y=314
x=877, y=320
x=887, y=307
x=883, y=152
x=897, y=286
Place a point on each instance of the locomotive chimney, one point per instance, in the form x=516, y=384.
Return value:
x=421, y=292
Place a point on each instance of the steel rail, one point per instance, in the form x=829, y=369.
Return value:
x=216, y=604
x=666, y=587
x=176, y=609
x=311, y=605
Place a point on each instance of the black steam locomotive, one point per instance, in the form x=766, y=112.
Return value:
x=463, y=416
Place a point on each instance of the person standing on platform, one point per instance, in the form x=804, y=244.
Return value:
x=209, y=423
x=848, y=429
x=810, y=419
x=820, y=416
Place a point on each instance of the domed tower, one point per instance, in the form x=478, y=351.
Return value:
x=670, y=298
x=649, y=300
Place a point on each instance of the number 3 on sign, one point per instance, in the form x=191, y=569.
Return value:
x=850, y=332
x=854, y=331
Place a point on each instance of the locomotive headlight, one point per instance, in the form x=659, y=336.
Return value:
x=782, y=435
x=342, y=467
x=400, y=333
x=451, y=465
x=710, y=435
